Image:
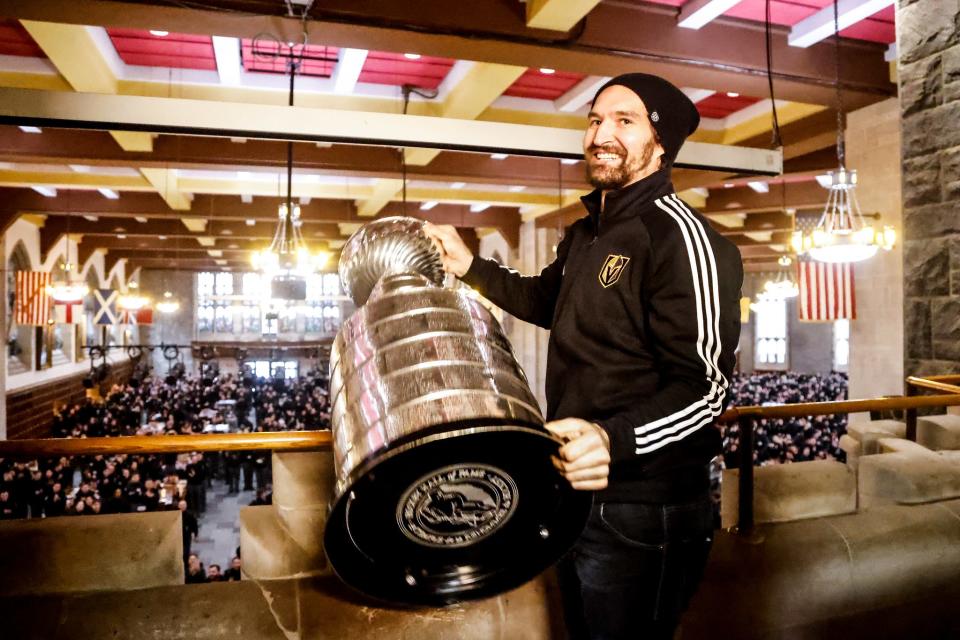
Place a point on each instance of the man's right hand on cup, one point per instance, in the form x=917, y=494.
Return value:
x=454, y=253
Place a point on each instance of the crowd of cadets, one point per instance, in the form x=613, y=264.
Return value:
x=137, y=483
x=132, y=483
x=783, y=440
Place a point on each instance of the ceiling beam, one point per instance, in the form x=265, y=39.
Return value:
x=172, y=229
x=77, y=52
x=45, y=108
x=384, y=190
x=91, y=148
x=165, y=182
x=473, y=93
x=225, y=212
x=820, y=25
x=724, y=61
x=557, y=15
x=796, y=195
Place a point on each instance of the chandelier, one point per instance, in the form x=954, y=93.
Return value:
x=841, y=235
x=288, y=256
x=288, y=253
x=67, y=291
x=168, y=304
x=131, y=302
x=782, y=286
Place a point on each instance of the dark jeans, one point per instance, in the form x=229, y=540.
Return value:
x=635, y=568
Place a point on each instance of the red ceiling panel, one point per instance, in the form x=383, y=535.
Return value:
x=318, y=60
x=782, y=12
x=887, y=15
x=878, y=28
x=720, y=105
x=15, y=41
x=176, y=50
x=396, y=69
x=534, y=84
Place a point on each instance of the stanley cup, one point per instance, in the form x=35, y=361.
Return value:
x=445, y=490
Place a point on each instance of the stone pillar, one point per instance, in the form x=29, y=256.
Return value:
x=928, y=42
x=530, y=342
x=876, y=336
x=285, y=539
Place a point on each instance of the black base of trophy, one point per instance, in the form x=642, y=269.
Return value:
x=454, y=516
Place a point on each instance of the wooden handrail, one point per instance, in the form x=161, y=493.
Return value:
x=841, y=406
x=275, y=440
x=322, y=440
x=949, y=377
x=935, y=384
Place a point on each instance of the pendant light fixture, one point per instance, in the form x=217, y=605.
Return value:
x=841, y=234
x=288, y=255
x=68, y=290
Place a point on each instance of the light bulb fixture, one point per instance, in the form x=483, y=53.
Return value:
x=67, y=291
x=764, y=298
x=841, y=234
x=782, y=286
x=168, y=304
x=131, y=302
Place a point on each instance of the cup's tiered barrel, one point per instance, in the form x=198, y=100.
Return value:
x=445, y=489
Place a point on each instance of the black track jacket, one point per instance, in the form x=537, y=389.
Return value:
x=643, y=306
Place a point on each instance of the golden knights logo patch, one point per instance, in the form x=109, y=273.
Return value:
x=612, y=268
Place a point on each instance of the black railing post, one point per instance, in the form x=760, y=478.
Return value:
x=911, y=414
x=745, y=508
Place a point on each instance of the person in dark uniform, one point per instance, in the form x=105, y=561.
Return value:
x=642, y=302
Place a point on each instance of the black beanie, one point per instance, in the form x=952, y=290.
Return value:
x=672, y=114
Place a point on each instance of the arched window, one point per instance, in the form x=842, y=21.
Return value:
x=16, y=336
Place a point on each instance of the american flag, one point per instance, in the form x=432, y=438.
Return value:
x=32, y=299
x=826, y=291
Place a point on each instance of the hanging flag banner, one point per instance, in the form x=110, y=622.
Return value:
x=826, y=291
x=144, y=315
x=68, y=312
x=32, y=299
x=105, y=306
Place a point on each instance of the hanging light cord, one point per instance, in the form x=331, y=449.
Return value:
x=407, y=90
x=841, y=143
x=777, y=141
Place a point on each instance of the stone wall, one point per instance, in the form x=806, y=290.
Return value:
x=876, y=336
x=928, y=41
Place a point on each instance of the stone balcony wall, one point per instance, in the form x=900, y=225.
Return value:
x=928, y=40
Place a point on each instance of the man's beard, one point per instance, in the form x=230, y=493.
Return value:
x=608, y=178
